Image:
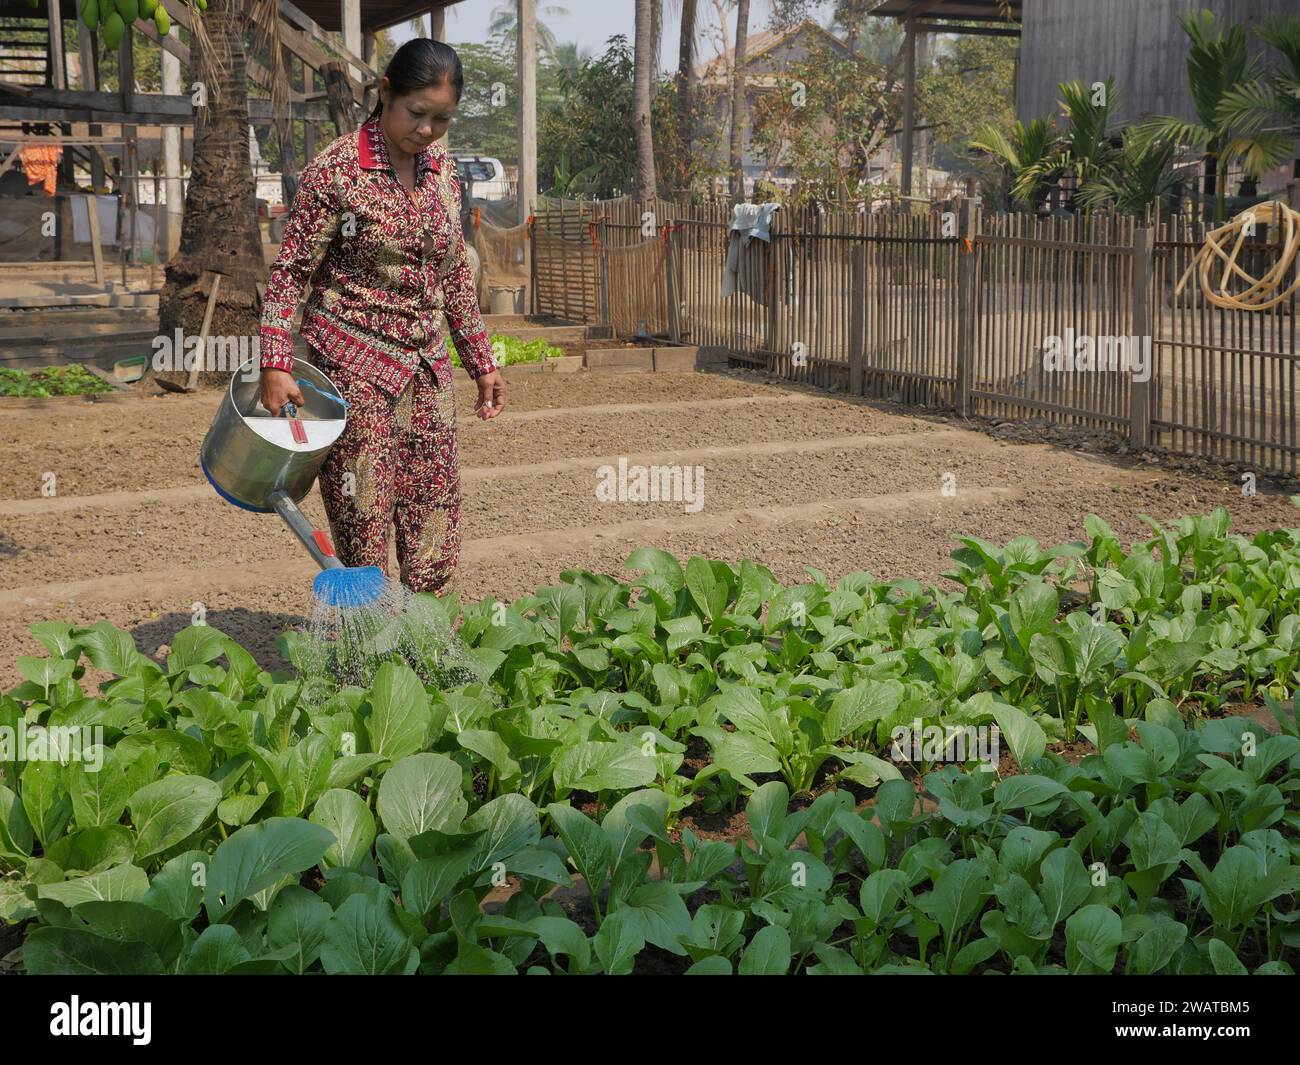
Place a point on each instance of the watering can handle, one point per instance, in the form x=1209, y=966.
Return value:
x=304, y=383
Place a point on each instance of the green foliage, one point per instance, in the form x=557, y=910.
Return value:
x=215, y=822
x=1140, y=175
x=586, y=127
x=1028, y=152
x=73, y=380
x=1246, y=112
x=1221, y=76
x=510, y=351
x=484, y=120
x=968, y=87
x=828, y=130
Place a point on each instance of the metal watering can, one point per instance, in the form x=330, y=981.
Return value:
x=257, y=474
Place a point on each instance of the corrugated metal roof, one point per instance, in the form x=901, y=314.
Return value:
x=947, y=10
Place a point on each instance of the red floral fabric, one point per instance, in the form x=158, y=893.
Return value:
x=398, y=464
x=387, y=268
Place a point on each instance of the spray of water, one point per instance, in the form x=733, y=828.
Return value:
x=357, y=626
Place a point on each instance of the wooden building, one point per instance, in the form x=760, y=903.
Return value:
x=1140, y=44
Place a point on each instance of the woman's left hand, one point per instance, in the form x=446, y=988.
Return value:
x=491, y=395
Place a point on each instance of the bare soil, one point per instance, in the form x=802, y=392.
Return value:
x=792, y=477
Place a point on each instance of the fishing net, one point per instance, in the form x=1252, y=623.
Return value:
x=502, y=246
x=638, y=294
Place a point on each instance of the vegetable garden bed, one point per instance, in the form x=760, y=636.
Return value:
x=546, y=825
x=47, y=381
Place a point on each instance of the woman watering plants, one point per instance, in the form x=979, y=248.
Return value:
x=375, y=229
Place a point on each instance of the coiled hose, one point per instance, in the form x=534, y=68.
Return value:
x=1260, y=293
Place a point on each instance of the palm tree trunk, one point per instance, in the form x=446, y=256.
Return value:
x=656, y=40
x=220, y=231
x=738, y=102
x=685, y=78
x=643, y=58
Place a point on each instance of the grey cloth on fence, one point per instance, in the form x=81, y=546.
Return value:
x=747, y=259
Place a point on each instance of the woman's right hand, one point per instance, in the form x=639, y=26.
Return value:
x=279, y=388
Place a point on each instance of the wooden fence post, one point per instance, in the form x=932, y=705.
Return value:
x=967, y=226
x=775, y=255
x=1140, y=395
x=674, y=289
x=858, y=321
x=604, y=273
x=532, y=263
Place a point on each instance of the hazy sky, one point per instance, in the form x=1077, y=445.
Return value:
x=591, y=23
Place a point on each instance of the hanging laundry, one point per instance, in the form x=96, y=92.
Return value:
x=746, y=268
x=41, y=164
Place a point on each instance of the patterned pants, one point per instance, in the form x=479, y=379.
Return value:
x=397, y=463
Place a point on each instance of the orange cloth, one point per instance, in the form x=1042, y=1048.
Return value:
x=41, y=162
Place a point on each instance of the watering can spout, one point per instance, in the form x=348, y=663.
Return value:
x=336, y=585
x=313, y=539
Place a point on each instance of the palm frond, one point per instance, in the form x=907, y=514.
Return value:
x=1177, y=130
x=265, y=16
x=1248, y=107
x=988, y=138
x=1218, y=61
x=1088, y=131
x=1284, y=35
x=1140, y=176
x=212, y=64
x=1032, y=154
x=1259, y=153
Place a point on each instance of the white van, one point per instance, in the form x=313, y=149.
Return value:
x=485, y=174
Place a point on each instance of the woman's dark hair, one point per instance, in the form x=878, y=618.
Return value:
x=422, y=64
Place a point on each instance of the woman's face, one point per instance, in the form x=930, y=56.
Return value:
x=414, y=120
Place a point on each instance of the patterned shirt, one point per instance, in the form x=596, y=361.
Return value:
x=388, y=268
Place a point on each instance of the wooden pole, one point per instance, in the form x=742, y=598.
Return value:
x=967, y=223
x=604, y=274
x=96, y=249
x=200, y=356
x=171, y=155
x=858, y=322
x=308, y=126
x=773, y=255
x=350, y=15
x=909, y=103
x=90, y=83
x=526, y=63
x=438, y=32
x=674, y=290
x=57, y=64
x=288, y=154
x=126, y=89
x=1140, y=396
x=532, y=266
x=157, y=213
x=370, y=52
x=126, y=73
x=129, y=200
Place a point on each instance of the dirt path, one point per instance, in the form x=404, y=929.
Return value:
x=790, y=477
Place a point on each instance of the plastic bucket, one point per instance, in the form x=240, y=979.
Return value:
x=507, y=300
